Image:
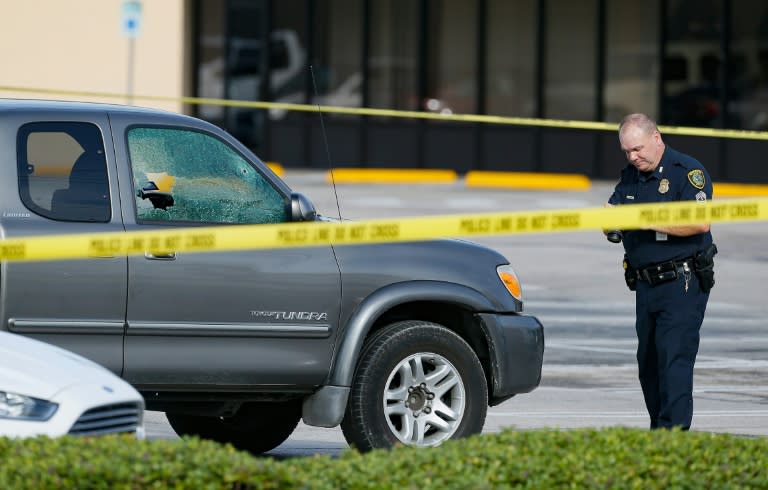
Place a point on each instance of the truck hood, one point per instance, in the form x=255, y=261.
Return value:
x=41, y=370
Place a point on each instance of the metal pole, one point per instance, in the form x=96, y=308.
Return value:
x=131, y=49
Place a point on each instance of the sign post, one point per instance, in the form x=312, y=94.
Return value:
x=131, y=28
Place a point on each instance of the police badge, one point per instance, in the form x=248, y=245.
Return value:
x=696, y=178
x=663, y=186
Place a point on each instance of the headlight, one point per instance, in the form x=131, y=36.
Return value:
x=510, y=280
x=21, y=407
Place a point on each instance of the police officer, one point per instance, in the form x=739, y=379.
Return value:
x=669, y=267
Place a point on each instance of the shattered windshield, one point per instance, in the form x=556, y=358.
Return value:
x=182, y=175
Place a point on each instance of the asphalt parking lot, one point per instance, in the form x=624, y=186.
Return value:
x=573, y=283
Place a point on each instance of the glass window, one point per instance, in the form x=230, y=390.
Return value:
x=510, y=85
x=188, y=176
x=393, y=59
x=211, y=49
x=234, y=62
x=63, y=171
x=570, y=81
x=749, y=65
x=632, y=59
x=337, y=53
x=289, y=43
x=451, y=62
x=247, y=64
x=691, y=88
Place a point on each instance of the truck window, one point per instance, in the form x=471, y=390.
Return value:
x=63, y=172
x=189, y=176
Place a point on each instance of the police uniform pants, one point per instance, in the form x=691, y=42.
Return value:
x=667, y=324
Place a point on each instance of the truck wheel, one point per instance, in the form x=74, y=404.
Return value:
x=256, y=427
x=417, y=383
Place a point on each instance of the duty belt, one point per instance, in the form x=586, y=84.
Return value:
x=665, y=271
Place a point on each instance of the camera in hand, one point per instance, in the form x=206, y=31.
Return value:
x=614, y=236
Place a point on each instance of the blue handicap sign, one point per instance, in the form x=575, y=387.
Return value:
x=131, y=18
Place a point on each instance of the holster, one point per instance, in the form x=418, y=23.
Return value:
x=630, y=274
x=704, y=267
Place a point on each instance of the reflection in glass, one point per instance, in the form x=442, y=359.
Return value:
x=337, y=53
x=749, y=65
x=394, y=47
x=632, y=59
x=511, y=58
x=570, y=87
x=692, y=64
x=451, y=68
x=211, y=49
x=288, y=49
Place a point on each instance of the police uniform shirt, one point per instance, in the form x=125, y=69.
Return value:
x=678, y=177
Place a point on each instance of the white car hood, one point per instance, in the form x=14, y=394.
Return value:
x=41, y=370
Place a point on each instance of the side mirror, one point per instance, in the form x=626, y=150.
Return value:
x=302, y=208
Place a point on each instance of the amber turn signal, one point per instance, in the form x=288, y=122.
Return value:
x=510, y=280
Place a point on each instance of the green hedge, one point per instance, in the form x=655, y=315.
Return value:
x=611, y=458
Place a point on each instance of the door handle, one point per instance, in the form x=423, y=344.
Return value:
x=159, y=255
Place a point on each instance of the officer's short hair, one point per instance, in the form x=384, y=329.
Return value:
x=641, y=121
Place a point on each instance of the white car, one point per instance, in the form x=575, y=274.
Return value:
x=46, y=390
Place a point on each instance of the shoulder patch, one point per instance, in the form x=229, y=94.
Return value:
x=697, y=179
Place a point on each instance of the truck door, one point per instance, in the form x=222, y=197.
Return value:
x=66, y=185
x=218, y=319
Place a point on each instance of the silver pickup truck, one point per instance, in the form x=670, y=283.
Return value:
x=398, y=342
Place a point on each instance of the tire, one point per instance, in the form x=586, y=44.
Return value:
x=256, y=427
x=417, y=383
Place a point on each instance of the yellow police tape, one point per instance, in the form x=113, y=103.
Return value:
x=242, y=237
x=366, y=111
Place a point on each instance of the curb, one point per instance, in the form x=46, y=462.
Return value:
x=496, y=179
x=390, y=176
x=527, y=180
x=739, y=190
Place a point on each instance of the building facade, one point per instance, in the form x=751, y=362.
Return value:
x=80, y=45
x=687, y=63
